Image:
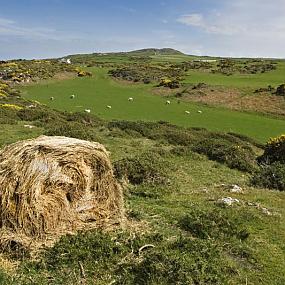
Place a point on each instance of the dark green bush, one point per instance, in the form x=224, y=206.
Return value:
x=8, y=116
x=236, y=156
x=73, y=130
x=84, y=118
x=213, y=224
x=274, y=151
x=270, y=176
x=184, y=261
x=145, y=168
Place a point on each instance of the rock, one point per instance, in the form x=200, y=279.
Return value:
x=235, y=189
x=228, y=201
x=266, y=211
x=29, y=126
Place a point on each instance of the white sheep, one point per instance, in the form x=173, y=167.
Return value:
x=187, y=112
x=167, y=102
x=51, y=98
x=72, y=96
x=87, y=110
x=109, y=107
x=131, y=99
x=200, y=112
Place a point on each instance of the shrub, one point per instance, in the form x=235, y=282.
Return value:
x=73, y=130
x=39, y=114
x=213, y=224
x=237, y=156
x=8, y=116
x=274, y=151
x=169, y=83
x=84, y=118
x=184, y=261
x=270, y=176
x=145, y=168
x=280, y=90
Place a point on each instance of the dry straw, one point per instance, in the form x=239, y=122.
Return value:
x=50, y=186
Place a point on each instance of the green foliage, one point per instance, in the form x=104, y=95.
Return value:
x=40, y=114
x=8, y=116
x=147, y=73
x=184, y=261
x=274, y=151
x=280, y=90
x=235, y=152
x=271, y=172
x=147, y=168
x=215, y=223
x=172, y=84
x=73, y=130
x=26, y=71
x=270, y=176
x=4, y=278
x=233, y=155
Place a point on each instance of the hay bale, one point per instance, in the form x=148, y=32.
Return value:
x=55, y=185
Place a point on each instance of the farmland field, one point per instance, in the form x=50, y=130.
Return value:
x=274, y=77
x=97, y=92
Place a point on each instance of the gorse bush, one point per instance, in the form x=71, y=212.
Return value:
x=201, y=264
x=233, y=155
x=271, y=171
x=148, y=168
x=73, y=130
x=119, y=260
x=274, y=151
x=270, y=176
x=213, y=224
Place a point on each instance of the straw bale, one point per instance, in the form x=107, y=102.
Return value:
x=50, y=186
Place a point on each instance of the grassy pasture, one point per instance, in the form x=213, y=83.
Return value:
x=99, y=91
x=274, y=78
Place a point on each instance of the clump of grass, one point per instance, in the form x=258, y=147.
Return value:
x=183, y=261
x=215, y=223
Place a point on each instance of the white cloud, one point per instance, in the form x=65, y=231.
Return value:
x=244, y=27
x=11, y=28
x=196, y=20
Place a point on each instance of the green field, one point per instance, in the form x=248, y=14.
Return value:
x=97, y=92
x=274, y=78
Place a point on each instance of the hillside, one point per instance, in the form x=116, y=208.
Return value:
x=203, y=185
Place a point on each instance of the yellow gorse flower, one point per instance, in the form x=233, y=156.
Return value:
x=11, y=106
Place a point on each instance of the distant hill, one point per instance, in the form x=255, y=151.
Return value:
x=156, y=51
x=140, y=52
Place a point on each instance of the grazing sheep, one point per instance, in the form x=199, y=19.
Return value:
x=200, y=112
x=187, y=112
x=167, y=102
x=51, y=98
x=72, y=96
x=131, y=99
x=87, y=110
x=109, y=107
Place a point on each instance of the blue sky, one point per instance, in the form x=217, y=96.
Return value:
x=54, y=28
